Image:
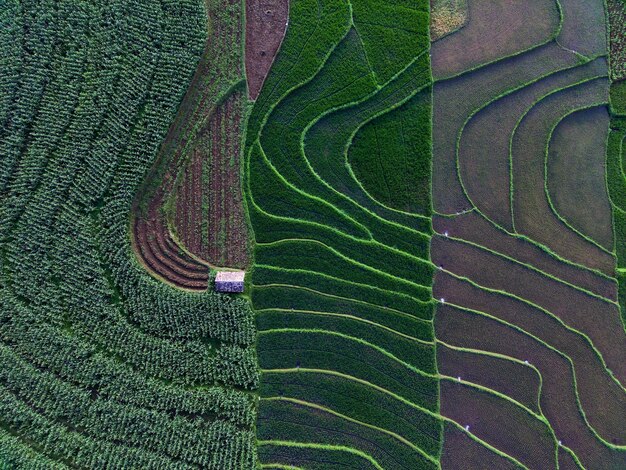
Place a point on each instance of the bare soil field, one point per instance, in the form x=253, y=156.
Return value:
x=209, y=216
x=486, y=174
x=513, y=379
x=492, y=132
x=592, y=379
x=461, y=452
x=266, y=23
x=578, y=142
x=597, y=318
x=190, y=209
x=456, y=99
x=474, y=228
x=558, y=399
x=533, y=215
x=496, y=29
x=499, y=422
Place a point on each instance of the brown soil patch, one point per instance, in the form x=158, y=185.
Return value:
x=601, y=398
x=208, y=216
x=579, y=141
x=532, y=213
x=266, y=24
x=510, y=378
x=502, y=424
x=161, y=255
x=600, y=320
x=178, y=228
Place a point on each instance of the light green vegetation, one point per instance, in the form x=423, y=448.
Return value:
x=342, y=280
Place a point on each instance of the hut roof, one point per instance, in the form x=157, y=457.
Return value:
x=230, y=281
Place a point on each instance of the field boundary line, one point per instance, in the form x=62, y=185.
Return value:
x=353, y=261
x=313, y=445
x=333, y=278
x=353, y=420
x=348, y=299
x=545, y=178
x=530, y=267
x=514, y=133
x=375, y=347
x=557, y=351
x=504, y=357
x=344, y=316
x=544, y=311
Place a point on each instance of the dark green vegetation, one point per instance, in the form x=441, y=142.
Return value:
x=524, y=239
x=101, y=366
x=617, y=38
x=342, y=281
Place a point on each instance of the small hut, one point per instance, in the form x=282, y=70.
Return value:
x=229, y=281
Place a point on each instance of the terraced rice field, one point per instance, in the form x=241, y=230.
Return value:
x=428, y=198
x=342, y=281
x=524, y=239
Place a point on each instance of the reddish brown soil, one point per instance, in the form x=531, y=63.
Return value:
x=171, y=227
x=266, y=23
x=461, y=452
x=601, y=397
x=532, y=213
x=456, y=99
x=209, y=216
x=163, y=257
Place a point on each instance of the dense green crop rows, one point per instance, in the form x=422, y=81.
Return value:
x=390, y=156
x=102, y=366
x=342, y=280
